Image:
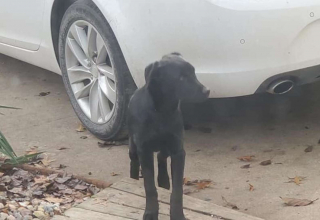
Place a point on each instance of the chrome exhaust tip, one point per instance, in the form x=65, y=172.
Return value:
x=280, y=87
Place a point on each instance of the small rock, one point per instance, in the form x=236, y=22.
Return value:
x=12, y=207
x=35, y=202
x=27, y=217
x=30, y=207
x=40, y=215
x=10, y=217
x=51, y=214
x=1, y=206
x=57, y=211
x=24, y=211
x=18, y=216
x=40, y=208
x=3, y=216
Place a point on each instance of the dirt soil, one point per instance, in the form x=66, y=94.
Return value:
x=276, y=128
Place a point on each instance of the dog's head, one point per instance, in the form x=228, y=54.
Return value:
x=174, y=76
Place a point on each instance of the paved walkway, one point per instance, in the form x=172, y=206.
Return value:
x=125, y=200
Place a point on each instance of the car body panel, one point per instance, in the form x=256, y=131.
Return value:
x=44, y=57
x=21, y=26
x=235, y=45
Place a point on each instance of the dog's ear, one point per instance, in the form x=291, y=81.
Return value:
x=150, y=71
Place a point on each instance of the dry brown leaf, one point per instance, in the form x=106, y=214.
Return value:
x=251, y=187
x=63, y=179
x=266, y=162
x=46, y=161
x=54, y=199
x=228, y=204
x=188, y=182
x=246, y=158
x=202, y=184
x=80, y=187
x=297, y=202
x=41, y=180
x=114, y=174
x=81, y=128
x=308, y=149
x=63, y=148
x=32, y=150
x=245, y=166
x=297, y=180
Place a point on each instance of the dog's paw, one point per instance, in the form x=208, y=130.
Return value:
x=148, y=215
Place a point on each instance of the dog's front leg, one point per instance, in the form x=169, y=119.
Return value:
x=177, y=171
x=134, y=163
x=163, y=176
x=152, y=205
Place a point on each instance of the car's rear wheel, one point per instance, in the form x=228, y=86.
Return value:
x=94, y=71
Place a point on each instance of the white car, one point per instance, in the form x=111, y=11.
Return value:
x=238, y=47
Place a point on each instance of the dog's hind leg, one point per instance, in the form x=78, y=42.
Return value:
x=163, y=176
x=152, y=205
x=134, y=163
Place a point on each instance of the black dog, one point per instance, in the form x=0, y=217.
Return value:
x=155, y=125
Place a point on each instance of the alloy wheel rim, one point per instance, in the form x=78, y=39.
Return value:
x=90, y=72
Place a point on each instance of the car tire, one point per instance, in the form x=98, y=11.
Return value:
x=86, y=12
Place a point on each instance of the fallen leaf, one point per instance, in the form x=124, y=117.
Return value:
x=245, y=166
x=32, y=150
x=246, y=158
x=63, y=148
x=297, y=180
x=44, y=93
x=46, y=161
x=53, y=176
x=84, y=137
x=63, y=179
x=309, y=149
x=114, y=174
x=266, y=162
x=297, y=202
x=41, y=180
x=204, y=184
x=81, y=128
x=54, y=199
x=228, y=204
x=188, y=182
x=251, y=187
x=80, y=187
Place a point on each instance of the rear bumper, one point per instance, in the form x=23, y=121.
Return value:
x=250, y=82
x=235, y=45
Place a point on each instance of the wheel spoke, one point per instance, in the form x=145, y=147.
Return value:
x=78, y=74
x=107, y=90
x=91, y=38
x=77, y=52
x=84, y=91
x=103, y=105
x=94, y=102
x=79, y=34
x=107, y=71
x=101, y=50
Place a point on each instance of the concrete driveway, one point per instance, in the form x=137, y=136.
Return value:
x=269, y=127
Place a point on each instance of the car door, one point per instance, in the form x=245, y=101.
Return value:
x=21, y=23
